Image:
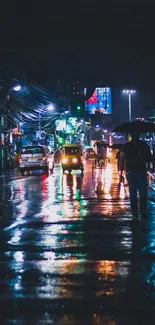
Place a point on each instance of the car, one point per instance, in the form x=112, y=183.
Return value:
x=71, y=157
x=89, y=153
x=36, y=157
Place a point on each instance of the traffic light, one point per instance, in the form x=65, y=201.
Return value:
x=79, y=108
x=61, y=140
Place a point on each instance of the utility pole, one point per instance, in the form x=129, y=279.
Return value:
x=69, y=97
x=130, y=108
x=129, y=92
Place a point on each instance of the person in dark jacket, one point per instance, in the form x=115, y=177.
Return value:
x=135, y=155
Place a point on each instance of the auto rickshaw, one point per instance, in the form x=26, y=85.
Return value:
x=101, y=151
x=71, y=157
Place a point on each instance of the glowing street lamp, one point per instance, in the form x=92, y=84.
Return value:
x=17, y=88
x=50, y=107
x=129, y=92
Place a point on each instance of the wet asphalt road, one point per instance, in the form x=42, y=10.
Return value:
x=70, y=253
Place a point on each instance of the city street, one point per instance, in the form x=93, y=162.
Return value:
x=77, y=90
x=70, y=252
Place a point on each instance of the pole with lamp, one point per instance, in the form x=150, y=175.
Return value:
x=129, y=92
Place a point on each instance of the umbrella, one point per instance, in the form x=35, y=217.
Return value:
x=140, y=126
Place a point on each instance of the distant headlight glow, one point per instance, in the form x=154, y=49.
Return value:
x=64, y=161
x=74, y=160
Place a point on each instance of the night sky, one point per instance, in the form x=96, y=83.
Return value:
x=112, y=43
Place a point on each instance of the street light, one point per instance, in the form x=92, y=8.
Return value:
x=17, y=88
x=129, y=92
x=50, y=107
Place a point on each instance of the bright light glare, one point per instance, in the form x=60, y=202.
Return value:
x=109, y=153
x=108, y=179
x=64, y=161
x=140, y=118
x=122, y=191
x=129, y=91
x=74, y=160
x=50, y=107
x=17, y=88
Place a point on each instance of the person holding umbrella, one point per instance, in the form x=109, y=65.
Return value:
x=135, y=155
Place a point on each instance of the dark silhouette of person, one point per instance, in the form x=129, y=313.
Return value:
x=135, y=155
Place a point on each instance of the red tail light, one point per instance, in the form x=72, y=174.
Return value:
x=20, y=159
x=44, y=157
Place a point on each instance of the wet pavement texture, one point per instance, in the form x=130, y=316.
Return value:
x=70, y=252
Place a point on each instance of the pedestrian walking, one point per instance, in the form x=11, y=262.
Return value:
x=135, y=157
x=121, y=177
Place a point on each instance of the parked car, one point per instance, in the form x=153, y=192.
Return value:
x=36, y=157
x=89, y=153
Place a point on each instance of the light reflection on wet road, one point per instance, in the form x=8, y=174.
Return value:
x=70, y=253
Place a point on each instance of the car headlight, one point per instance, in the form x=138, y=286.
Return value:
x=64, y=160
x=74, y=160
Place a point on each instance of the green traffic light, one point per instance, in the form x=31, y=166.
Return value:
x=61, y=140
x=78, y=107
